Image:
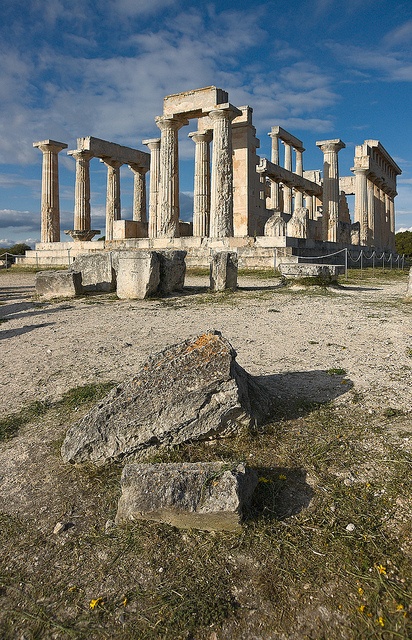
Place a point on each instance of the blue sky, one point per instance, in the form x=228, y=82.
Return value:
x=319, y=68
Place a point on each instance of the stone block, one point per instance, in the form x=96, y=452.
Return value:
x=323, y=273
x=97, y=270
x=138, y=274
x=194, y=390
x=58, y=284
x=209, y=496
x=172, y=270
x=223, y=271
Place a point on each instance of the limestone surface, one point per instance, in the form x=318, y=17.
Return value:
x=138, y=274
x=97, y=270
x=223, y=271
x=194, y=390
x=324, y=272
x=58, y=284
x=208, y=496
x=172, y=270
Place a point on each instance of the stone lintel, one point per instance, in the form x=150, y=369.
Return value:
x=287, y=137
x=244, y=118
x=193, y=103
x=226, y=106
x=50, y=143
x=103, y=149
x=382, y=151
x=279, y=174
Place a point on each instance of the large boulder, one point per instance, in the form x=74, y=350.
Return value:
x=194, y=390
x=223, y=271
x=138, y=274
x=172, y=270
x=204, y=495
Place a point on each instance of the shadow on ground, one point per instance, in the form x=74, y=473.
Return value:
x=281, y=493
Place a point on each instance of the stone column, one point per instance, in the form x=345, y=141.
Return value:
x=154, y=147
x=201, y=201
x=330, y=149
x=371, y=211
x=299, y=172
x=50, y=207
x=139, y=193
x=361, y=203
x=287, y=191
x=168, y=204
x=274, y=186
x=82, y=231
x=113, y=211
x=221, y=202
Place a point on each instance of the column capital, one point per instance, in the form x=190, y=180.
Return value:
x=80, y=154
x=111, y=162
x=331, y=145
x=50, y=145
x=360, y=170
x=152, y=143
x=136, y=168
x=201, y=136
x=167, y=123
x=224, y=112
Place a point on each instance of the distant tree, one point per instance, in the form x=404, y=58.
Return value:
x=403, y=243
x=16, y=249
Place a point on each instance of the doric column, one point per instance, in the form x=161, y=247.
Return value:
x=330, y=207
x=361, y=203
x=113, y=211
x=50, y=207
x=221, y=201
x=168, y=204
x=287, y=191
x=299, y=172
x=154, y=147
x=201, y=201
x=371, y=211
x=274, y=186
x=139, y=193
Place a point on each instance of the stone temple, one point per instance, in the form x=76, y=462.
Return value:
x=266, y=211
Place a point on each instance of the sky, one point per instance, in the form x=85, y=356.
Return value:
x=321, y=69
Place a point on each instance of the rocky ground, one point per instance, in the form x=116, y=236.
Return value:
x=326, y=552
x=291, y=337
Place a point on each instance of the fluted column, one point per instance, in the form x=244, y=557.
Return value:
x=201, y=200
x=274, y=158
x=139, y=193
x=50, y=204
x=330, y=218
x=287, y=191
x=154, y=147
x=113, y=211
x=361, y=203
x=168, y=204
x=299, y=172
x=221, y=201
x=371, y=211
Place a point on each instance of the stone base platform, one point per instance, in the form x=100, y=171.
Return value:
x=319, y=272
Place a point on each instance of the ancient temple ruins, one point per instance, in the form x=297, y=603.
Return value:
x=242, y=201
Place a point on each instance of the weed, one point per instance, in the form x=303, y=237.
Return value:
x=336, y=372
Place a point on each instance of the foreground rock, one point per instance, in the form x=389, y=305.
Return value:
x=194, y=390
x=58, y=284
x=319, y=273
x=209, y=496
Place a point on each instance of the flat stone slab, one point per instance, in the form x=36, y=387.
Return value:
x=295, y=270
x=194, y=390
x=209, y=496
x=58, y=284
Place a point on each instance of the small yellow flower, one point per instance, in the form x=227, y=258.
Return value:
x=381, y=569
x=362, y=608
x=125, y=601
x=399, y=607
x=282, y=476
x=95, y=603
x=381, y=621
x=72, y=588
x=360, y=591
x=263, y=479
